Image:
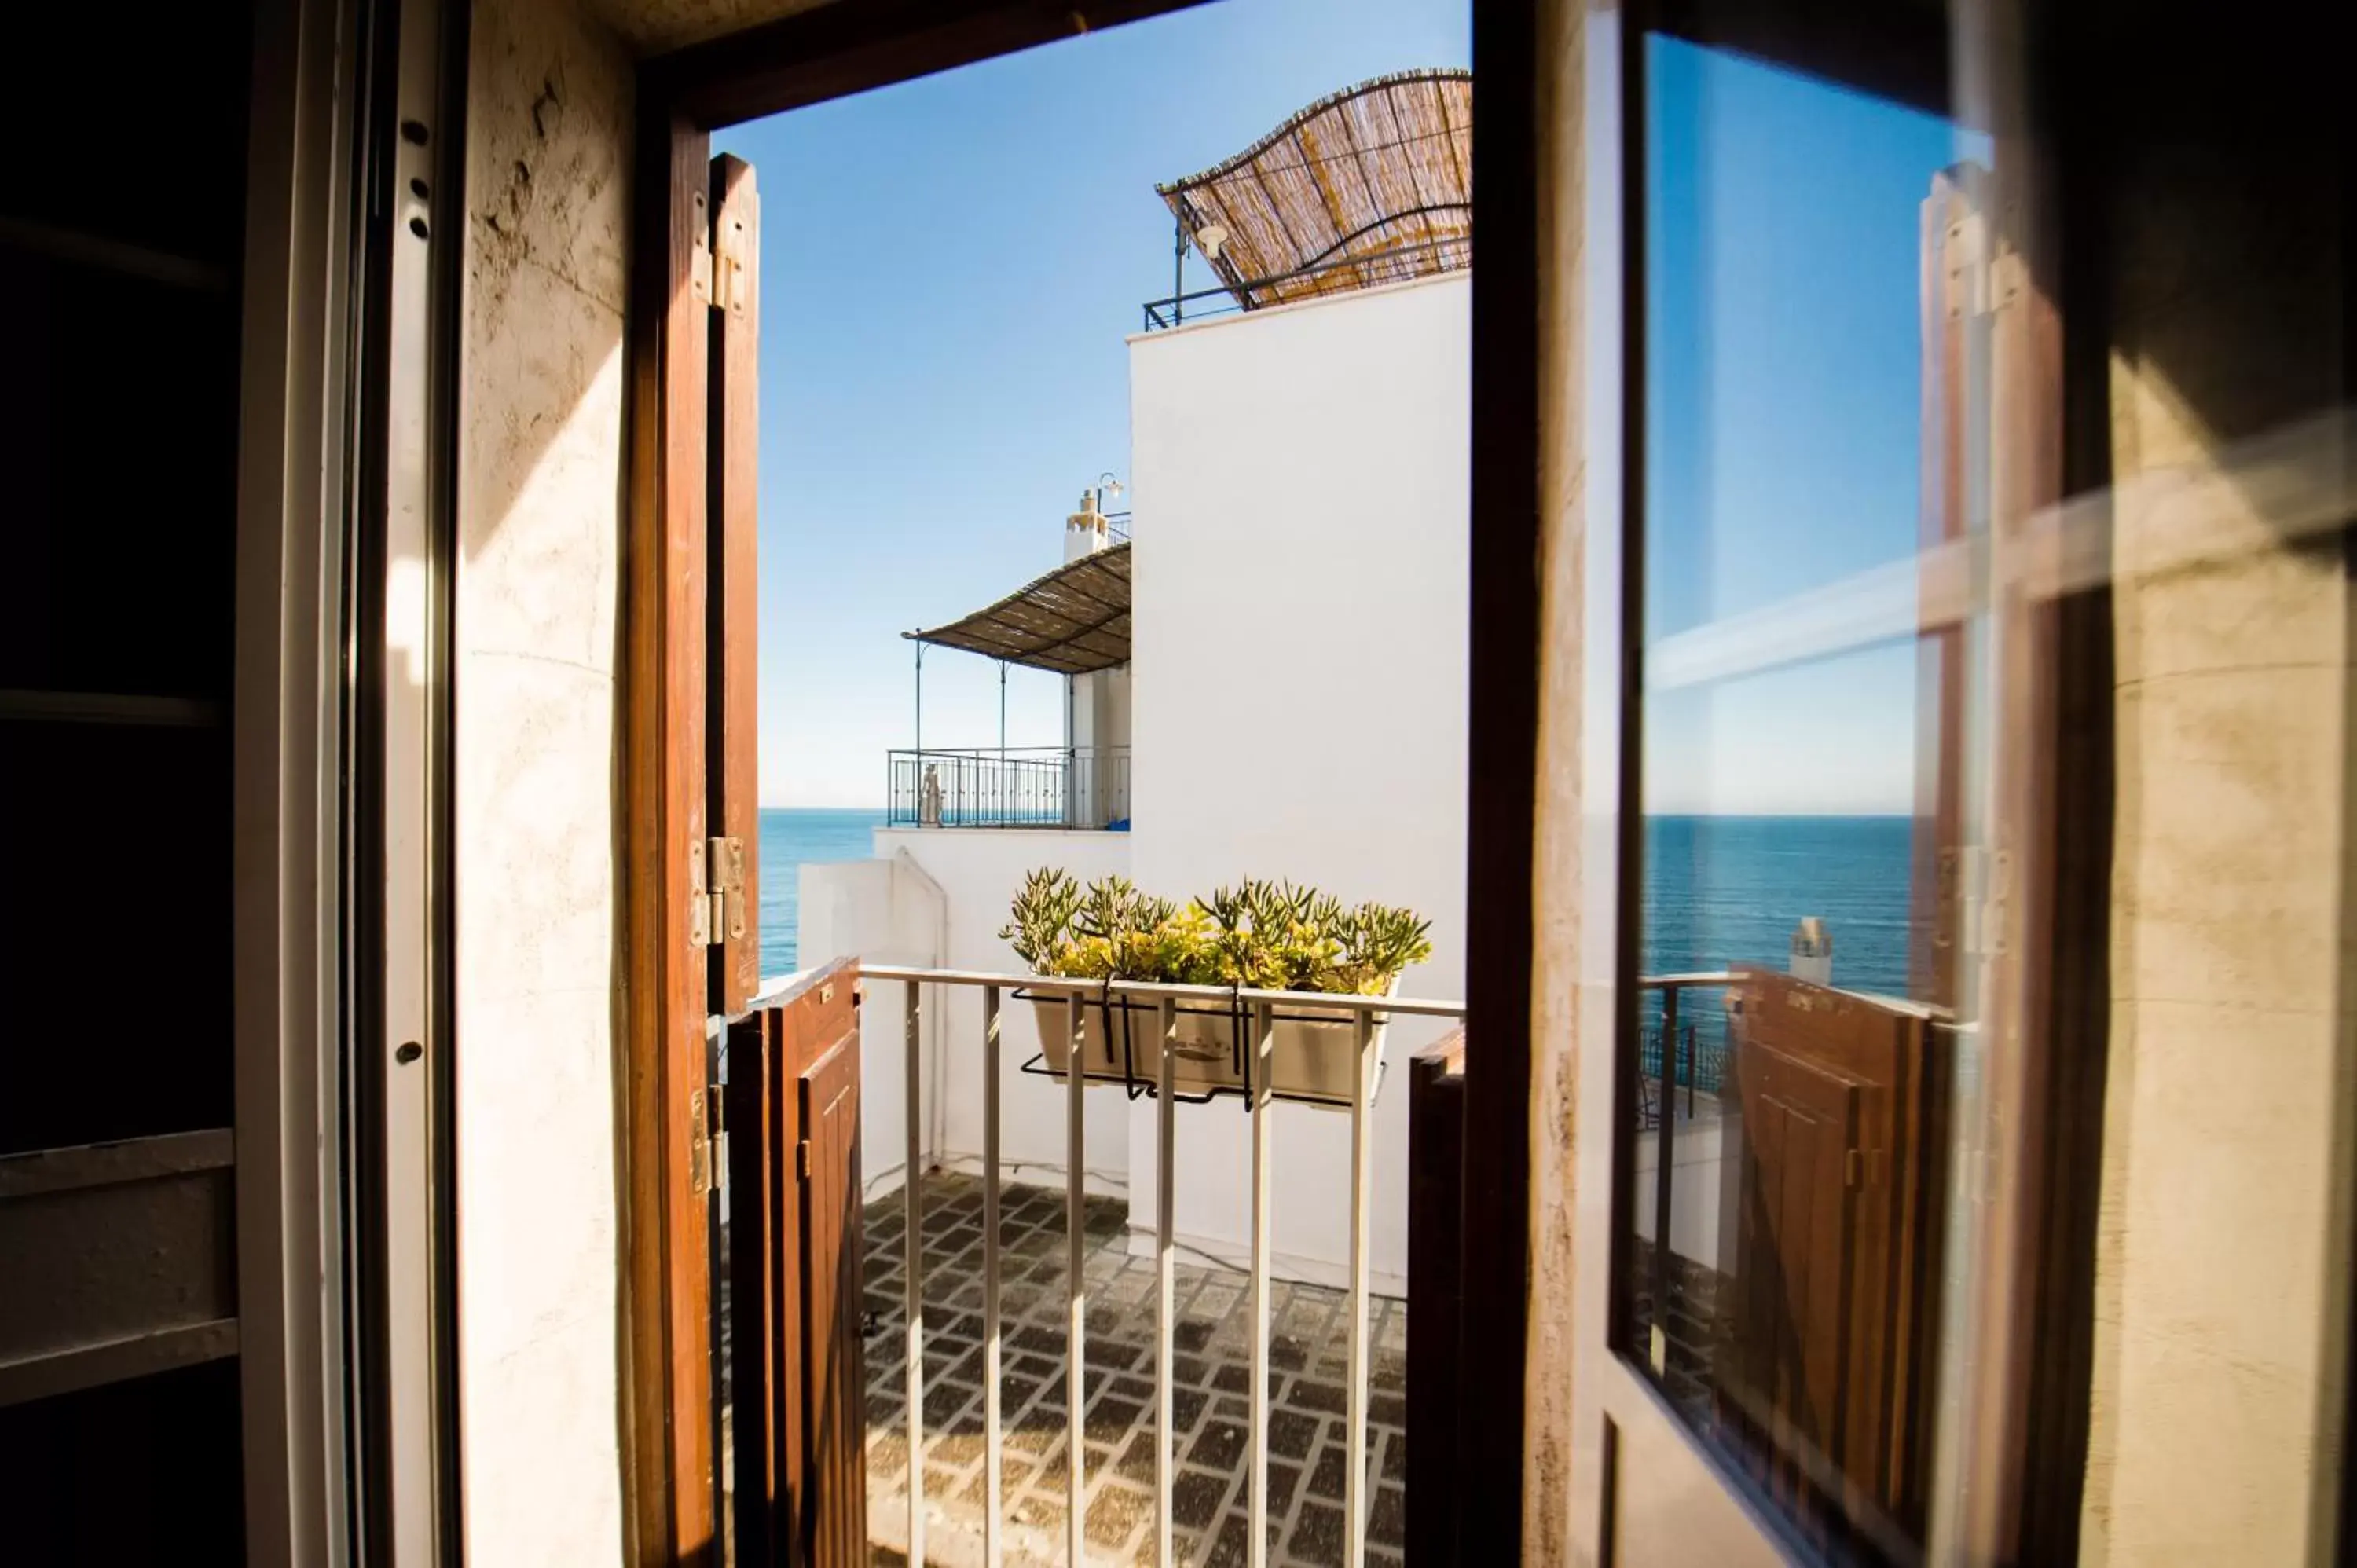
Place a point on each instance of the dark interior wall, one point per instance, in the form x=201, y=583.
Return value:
x=126, y=1474
x=120, y=230
x=122, y=222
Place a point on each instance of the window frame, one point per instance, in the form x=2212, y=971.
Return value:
x=2030, y=1457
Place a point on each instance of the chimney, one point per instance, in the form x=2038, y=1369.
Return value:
x=1812, y=951
x=1085, y=531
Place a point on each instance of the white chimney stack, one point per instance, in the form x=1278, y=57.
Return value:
x=1085, y=531
x=1812, y=951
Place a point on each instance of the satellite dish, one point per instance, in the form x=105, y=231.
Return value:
x=1210, y=238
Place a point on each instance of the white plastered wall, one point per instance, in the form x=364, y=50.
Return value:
x=1300, y=687
x=535, y=818
x=937, y=897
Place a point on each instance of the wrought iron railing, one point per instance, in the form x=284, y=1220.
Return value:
x=1449, y=253
x=1009, y=787
x=1699, y=1062
x=1365, y=1017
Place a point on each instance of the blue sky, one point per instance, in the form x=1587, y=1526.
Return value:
x=1783, y=407
x=948, y=268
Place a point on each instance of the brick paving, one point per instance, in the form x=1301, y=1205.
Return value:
x=1212, y=1366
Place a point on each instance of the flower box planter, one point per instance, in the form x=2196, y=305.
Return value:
x=1312, y=1050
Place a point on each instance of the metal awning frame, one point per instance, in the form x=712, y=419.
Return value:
x=1072, y=621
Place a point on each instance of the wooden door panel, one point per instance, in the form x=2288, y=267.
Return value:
x=732, y=659
x=1791, y=1331
x=1813, y=1114
x=672, y=1460
x=1833, y=1205
x=795, y=1257
x=834, y=1385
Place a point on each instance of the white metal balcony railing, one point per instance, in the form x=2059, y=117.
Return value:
x=1367, y=1018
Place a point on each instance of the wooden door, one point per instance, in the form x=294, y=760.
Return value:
x=1794, y=1241
x=1811, y=1060
x=797, y=1371
x=833, y=1506
x=690, y=783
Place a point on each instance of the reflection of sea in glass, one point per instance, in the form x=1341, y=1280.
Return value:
x=1721, y=891
x=1778, y=1156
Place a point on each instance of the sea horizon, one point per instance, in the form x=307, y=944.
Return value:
x=878, y=811
x=1721, y=888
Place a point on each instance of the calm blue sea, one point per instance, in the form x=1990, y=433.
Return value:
x=1718, y=890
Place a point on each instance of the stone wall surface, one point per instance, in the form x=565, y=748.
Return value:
x=2222, y=1252
x=536, y=824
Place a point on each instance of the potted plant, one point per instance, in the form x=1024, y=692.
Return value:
x=1267, y=936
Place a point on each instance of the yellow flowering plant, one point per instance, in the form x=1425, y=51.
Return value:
x=1262, y=935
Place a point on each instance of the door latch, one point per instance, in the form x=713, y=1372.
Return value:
x=707, y=1145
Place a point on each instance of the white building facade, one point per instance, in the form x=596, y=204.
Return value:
x=1296, y=709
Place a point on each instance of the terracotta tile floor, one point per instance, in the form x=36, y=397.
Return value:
x=1212, y=1366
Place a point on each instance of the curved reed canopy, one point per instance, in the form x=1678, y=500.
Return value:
x=1073, y=620
x=1373, y=185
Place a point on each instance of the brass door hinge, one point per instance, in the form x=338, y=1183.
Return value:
x=699, y=257
x=725, y=861
x=802, y=1160
x=715, y=891
x=717, y=278
x=699, y=901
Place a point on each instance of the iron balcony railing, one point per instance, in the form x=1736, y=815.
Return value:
x=1365, y=1015
x=1011, y=787
x=1698, y=1061
x=1448, y=253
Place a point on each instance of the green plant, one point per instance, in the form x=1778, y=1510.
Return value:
x=1379, y=941
x=1271, y=936
x=1041, y=922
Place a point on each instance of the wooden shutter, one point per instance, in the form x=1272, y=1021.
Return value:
x=689, y=770
x=795, y=1253
x=732, y=780
x=1949, y=248
x=674, y=1501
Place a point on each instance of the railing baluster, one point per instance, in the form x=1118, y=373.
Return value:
x=1264, y=1117
x=1076, y=1291
x=994, y=1454
x=1363, y=1173
x=1165, y=1279
x=1262, y=1019
x=913, y=1208
x=1665, y=1138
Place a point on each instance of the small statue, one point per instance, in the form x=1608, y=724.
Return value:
x=929, y=798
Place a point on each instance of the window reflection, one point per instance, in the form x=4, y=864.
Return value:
x=1791, y=1070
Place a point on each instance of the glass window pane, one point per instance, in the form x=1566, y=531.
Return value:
x=1792, y=1063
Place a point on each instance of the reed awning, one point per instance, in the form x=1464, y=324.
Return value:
x=1075, y=620
x=1371, y=186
